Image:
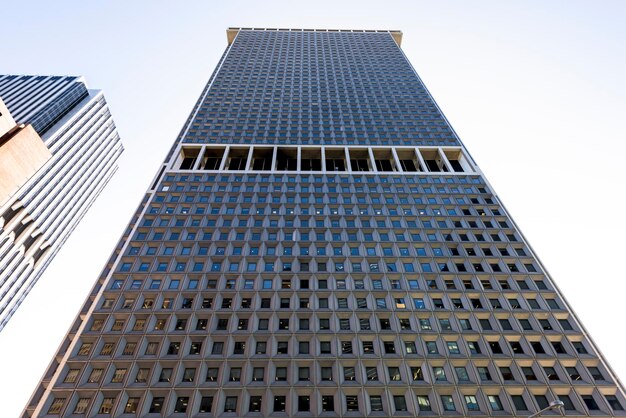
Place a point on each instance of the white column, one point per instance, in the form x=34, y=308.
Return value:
x=196, y=165
x=372, y=159
x=249, y=162
x=421, y=160
x=225, y=158
x=396, y=159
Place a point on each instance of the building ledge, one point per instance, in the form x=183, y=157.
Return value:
x=231, y=33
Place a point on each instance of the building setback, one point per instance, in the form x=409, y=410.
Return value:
x=58, y=150
x=318, y=242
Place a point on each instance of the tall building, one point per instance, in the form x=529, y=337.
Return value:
x=58, y=149
x=318, y=242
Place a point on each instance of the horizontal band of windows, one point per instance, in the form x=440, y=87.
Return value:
x=395, y=160
x=331, y=401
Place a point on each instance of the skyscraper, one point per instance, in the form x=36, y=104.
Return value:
x=58, y=150
x=318, y=242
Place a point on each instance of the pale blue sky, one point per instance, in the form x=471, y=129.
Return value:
x=535, y=90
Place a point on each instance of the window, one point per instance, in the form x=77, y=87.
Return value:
x=590, y=403
x=156, y=405
x=542, y=401
x=448, y=403
x=519, y=403
x=424, y=403
x=465, y=324
x=182, y=402
x=485, y=324
x=261, y=347
x=394, y=374
x=56, y=406
x=614, y=403
x=118, y=376
x=142, y=375
x=558, y=347
x=211, y=374
x=304, y=403
x=473, y=346
x=166, y=375
x=579, y=347
x=81, y=405
x=453, y=347
x=507, y=374
x=328, y=403
x=235, y=374
x=281, y=374
x=371, y=373
x=409, y=347
x=419, y=303
x=494, y=402
x=399, y=403
x=132, y=404
x=461, y=374
x=385, y=324
x=525, y=324
x=255, y=404
x=551, y=373
x=417, y=374
x=516, y=347
x=505, y=324
x=368, y=346
x=95, y=376
x=439, y=373
x=568, y=404
x=218, y=347
x=483, y=374
x=495, y=347
x=282, y=347
x=230, y=404
x=595, y=373
x=279, y=403
x=304, y=374
x=106, y=407
x=529, y=374
x=348, y=374
x=471, y=403
x=71, y=376
x=352, y=403
x=324, y=347
x=376, y=403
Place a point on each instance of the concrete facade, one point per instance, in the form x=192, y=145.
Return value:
x=319, y=243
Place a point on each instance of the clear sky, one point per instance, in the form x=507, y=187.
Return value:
x=535, y=90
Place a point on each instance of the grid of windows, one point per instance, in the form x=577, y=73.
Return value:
x=309, y=294
x=326, y=88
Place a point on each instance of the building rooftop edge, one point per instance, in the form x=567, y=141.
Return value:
x=232, y=32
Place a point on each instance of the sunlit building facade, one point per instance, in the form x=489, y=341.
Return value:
x=58, y=149
x=318, y=242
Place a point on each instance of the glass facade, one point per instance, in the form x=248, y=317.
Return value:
x=319, y=243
